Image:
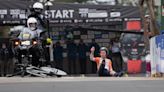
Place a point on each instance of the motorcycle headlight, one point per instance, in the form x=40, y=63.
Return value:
x=25, y=43
x=34, y=42
x=16, y=43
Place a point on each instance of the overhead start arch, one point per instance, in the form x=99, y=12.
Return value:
x=79, y=15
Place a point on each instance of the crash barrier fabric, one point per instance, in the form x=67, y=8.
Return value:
x=157, y=54
x=134, y=66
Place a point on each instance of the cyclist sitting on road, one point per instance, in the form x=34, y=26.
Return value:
x=104, y=65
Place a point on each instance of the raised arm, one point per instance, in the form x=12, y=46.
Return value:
x=92, y=58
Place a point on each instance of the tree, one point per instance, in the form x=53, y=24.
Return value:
x=154, y=30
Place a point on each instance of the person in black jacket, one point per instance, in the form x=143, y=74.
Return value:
x=6, y=56
x=71, y=54
x=82, y=50
x=58, y=55
x=117, y=61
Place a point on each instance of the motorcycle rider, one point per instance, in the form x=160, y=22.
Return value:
x=36, y=12
x=34, y=34
x=32, y=29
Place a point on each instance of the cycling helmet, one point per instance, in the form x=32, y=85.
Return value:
x=104, y=49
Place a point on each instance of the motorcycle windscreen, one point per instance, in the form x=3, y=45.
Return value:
x=26, y=36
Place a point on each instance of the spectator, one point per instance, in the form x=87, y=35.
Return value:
x=110, y=52
x=148, y=65
x=116, y=56
x=6, y=56
x=72, y=51
x=82, y=50
x=96, y=54
x=58, y=55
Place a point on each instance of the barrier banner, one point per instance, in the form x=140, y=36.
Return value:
x=153, y=55
x=157, y=54
x=160, y=52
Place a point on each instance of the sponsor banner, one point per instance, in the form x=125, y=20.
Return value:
x=157, y=54
x=160, y=52
x=65, y=14
x=153, y=55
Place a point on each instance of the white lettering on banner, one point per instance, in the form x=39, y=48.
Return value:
x=98, y=15
x=65, y=14
x=3, y=11
x=11, y=22
x=13, y=16
x=2, y=16
x=83, y=10
x=22, y=16
x=94, y=20
x=59, y=13
x=116, y=19
x=115, y=14
x=50, y=13
x=131, y=19
x=15, y=11
x=71, y=13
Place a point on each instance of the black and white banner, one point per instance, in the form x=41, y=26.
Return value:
x=16, y=12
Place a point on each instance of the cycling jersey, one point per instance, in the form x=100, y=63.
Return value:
x=108, y=63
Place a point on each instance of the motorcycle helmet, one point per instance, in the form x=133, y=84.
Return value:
x=32, y=23
x=38, y=7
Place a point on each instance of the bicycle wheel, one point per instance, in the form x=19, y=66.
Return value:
x=36, y=72
x=54, y=71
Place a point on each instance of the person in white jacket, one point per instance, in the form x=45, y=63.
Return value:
x=31, y=32
x=31, y=29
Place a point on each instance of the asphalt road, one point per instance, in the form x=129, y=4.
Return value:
x=82, y=84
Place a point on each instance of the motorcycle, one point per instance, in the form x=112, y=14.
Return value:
x=23, y=46
x=22, y=49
